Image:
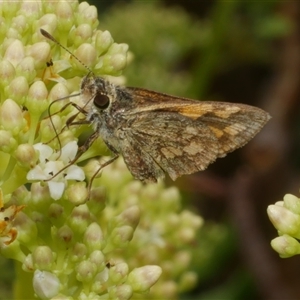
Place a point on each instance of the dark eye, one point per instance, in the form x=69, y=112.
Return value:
x=101, y=101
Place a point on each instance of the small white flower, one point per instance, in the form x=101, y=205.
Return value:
x=50, y=163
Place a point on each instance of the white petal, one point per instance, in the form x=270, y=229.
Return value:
x=75, y=173
x=68, y=152
x=56, y=189
x=37, y=173
x=44, y=150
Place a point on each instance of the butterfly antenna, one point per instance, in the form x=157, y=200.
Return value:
x=50, y=37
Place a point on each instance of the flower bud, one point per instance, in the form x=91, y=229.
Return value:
x=37, y=98
x=85, y=271
x=103, y=41
x=77, y=193
x=118, y=273
x=15, y=52
x=27, y=69
x=120, y=236
x=285, y=221
x=292, y=203
x=120, y=292
x=81, y=34
x=40, y=53
x=11, y=117
x=18, y=89
x=7, y=72
x=79, y=252
x=141, y=279
x=7, y=142
x=42, y=258
x=46, y=285
x=87, y=55
x=80, y=218
x=93, y=237
x=64, y=15
x=55, y=211
x=88, y=14
x=26, y=156
x=286, y=246
x=49, y=20
x=98, y=259
x=57, y=92
x=130, y=216
x=65, y=235
x=27, y=265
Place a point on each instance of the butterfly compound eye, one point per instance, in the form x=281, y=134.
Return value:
x=101, y=101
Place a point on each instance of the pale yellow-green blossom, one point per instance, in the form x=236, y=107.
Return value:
x=129, y=240
x=285, y=216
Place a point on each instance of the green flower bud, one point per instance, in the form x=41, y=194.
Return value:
x=7, y=142
x=118, y=273
x=18, y=89
x=39, y=193
x=114, y=60
x=285, y=221
x=286, y=246
x=37, y=101
x=121, y=292
x=7, y=73
x=65, y=235
x=292, y=203
x=98, y=259
x=11, y=117
x=55, y=211
x=27, y=229
x=48, y=21
x=64, y=15
x=87, y=55
x=57, y=92
x=40, y=53
x=27, y=265
x=79, y=252
x=141, y=279
x=26, y=155
x=120, y=236
x=87, y=14
x=85, y=271
x=15, y=52
x=42, y=258
x=19, y=23
x=103, y=41
x=80, y=218
x=130, y=216
x=26, y=68
x=82, y=34
x=47, y=128
x=93, y=237
x=77, y=193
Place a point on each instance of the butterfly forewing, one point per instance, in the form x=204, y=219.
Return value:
x=183, y=136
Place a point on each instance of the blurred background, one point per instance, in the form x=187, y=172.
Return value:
x=235, y=51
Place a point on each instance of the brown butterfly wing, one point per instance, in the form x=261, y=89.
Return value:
x=184, y=136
